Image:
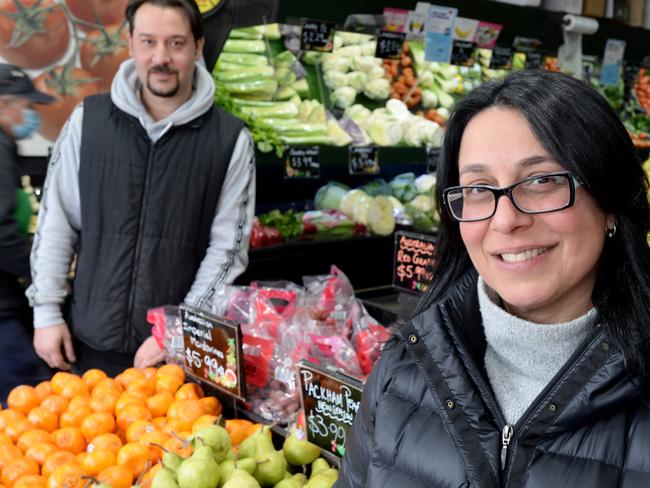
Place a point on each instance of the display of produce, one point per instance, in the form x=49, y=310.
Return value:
x=283, y=323
x=146, y=428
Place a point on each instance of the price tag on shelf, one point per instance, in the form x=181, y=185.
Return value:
x=330, y=401
x=302, y=162
x=213, y=350
x=412, y=261
x=438, y=33
x=363, y=160
x=389, y=45
x=462, y=53
x=317, y=35
x=432, y=157
x=534, y=59
x=610, y=73
x=501, y=58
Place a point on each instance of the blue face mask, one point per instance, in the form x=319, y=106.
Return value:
x=31, y=123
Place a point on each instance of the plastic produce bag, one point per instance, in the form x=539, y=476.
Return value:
x=167, y=330
x=368, y=336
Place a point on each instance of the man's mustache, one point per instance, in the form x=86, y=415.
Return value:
x=162, y=69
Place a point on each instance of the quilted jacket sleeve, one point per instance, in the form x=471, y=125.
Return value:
x=360, y=441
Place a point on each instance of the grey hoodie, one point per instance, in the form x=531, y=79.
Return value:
x=59, y=222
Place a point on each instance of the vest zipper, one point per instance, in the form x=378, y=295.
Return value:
x=129, y=332
x=506, y=435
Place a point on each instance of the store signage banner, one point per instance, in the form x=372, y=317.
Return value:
x=438, y=32
x=487, y=34
x=413, y=260
x=610, y=73
x=213, y=350
x=330, y=401
x=395, y=19
x=363, y=160
x=465, y=29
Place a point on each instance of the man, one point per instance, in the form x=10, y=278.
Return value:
x=18, y=120
x=153, y=187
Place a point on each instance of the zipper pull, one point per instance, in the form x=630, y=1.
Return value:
x=506, y=435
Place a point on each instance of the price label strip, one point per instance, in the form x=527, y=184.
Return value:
x=413, y=261
x=462, y=53
x=213, y=350
x=317, y=35
x=389, y=44
x=302, y=162
x=330, y=400
x=501, y=58
x=363, y=160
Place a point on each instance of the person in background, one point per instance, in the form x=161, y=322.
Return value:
x=18, y=120
x=528, y=362
x=152, y=186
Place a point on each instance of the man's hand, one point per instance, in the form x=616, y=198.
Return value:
x=149, y=354
x=51, y=343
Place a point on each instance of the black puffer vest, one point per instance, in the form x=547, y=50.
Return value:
x=429, y=419
x=146, y=213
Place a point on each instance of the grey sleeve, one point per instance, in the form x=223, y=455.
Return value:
x=57, y=230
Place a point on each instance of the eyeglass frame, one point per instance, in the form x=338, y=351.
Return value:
x=498, y=192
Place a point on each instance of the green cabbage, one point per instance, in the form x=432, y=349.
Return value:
x=330, y=195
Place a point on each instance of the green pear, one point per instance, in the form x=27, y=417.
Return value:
x=200, y=470
x=270, y=467
x=172, y=461
x=319, y=465
x=323, y=479
x=299, y=451
x=260, y=441
x=164, y=479
x=216, y=437
x=241, y=479
x=295, y=481
x=228, y=466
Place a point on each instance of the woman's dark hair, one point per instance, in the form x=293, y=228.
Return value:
x=189, y=8
x=581, y=131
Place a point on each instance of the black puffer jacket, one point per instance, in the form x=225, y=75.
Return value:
x=430, y=419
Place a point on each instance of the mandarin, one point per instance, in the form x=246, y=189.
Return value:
x=79, y=401
x=137, y=429
x=16, y=428
x=147, y=480
x=150, y=372
x=97, y=423
x=42, y=418
x=172, y=370
x=97, y=461
x=130, y=414
x=168, y=383
x=108, y=442
x=185, y=412
x=43, y=389
x=31, y=481
x=210, y=405
x=134, y=456
x=69, y=439
x=144, y=385
x=31, y=437
x=129, y=398
x=16, y=468
x=8, y=453
x=128, y=375
x=68, y=475
x=23, y=398
x=10, y=415
x=40, y=451
x=107, y=384
x=179, y=446
x=203, y=421
x=92, y=377
x=69, y=385
x=159, y=403
x=159, y=422
x=104, y=401
x=189, y=391
x=73, y=418
x=54, y=460
x=55, y=403
x=116, y=476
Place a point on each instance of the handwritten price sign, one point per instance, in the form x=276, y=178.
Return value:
x=389, y=45
x=413, y=261
x=330, y=402
x=317, y=36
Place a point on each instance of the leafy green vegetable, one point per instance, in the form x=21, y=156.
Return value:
x=244, y=46
x=243, y=58
x=376, y=187
x=330, y=195
x=288, y=223
x=403, y=187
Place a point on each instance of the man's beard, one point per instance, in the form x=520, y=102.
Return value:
x=165, y=70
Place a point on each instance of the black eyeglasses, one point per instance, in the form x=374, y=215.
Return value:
x=538, y=194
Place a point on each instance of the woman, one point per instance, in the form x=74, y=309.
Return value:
x=527, y=364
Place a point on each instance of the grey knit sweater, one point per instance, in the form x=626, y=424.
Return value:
x=522, y=357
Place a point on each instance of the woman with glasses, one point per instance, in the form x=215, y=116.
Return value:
x=528, y=362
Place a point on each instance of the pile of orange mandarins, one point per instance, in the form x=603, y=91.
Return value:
x=113, y=430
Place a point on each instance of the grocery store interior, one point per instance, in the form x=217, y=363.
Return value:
x=346, y=103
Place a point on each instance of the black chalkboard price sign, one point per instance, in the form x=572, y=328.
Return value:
x=432, y=157
x=462, y=53
x=363, y=160
x=330, y=400
x=412, y=261
x=213, y=350
x=501, y=58
x=317, y=35
x=302, y=162
x=389, y=44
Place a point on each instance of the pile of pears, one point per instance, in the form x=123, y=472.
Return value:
x=257, y=463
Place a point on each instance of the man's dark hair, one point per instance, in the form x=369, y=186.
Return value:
x=189, y=8
x=581, y=131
